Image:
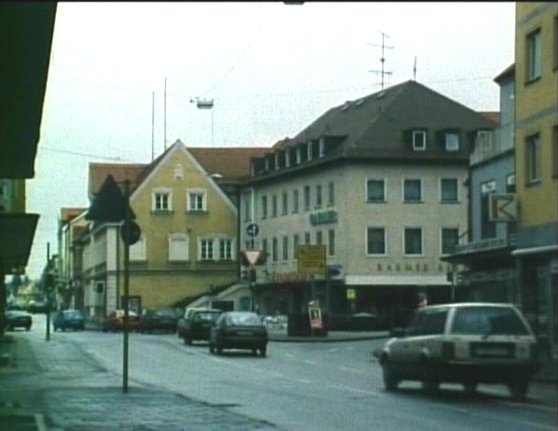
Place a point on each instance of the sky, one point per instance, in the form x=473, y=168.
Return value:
x=124, y=77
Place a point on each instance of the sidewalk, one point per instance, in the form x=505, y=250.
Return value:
x=54, y=386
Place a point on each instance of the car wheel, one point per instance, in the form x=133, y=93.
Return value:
x=219, y=349
x=263, y=351
x=27, y=328
x=211, y=349
x=390, y=380
x=187, y=339
x=430, y=383
x=518, y=388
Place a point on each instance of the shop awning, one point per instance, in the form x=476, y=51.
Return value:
x=16, y=238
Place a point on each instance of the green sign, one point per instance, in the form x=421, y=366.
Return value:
x=323, y=217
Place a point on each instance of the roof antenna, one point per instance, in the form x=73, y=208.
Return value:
x=415, y=70
x=382, y=59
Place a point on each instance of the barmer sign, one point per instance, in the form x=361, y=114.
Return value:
x=323, y=217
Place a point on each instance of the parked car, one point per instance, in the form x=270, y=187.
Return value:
x=18, y=319
x=183, y=321
x=115, y=321
x=37, y=306
x=196, y=324
x=163, y=319
x=238, y=330
x=68, y=319
x=467, y=343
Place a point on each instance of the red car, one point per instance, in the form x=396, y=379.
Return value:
x=115, y=321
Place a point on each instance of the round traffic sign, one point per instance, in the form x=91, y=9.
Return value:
x=134, y=233
x=252, y=229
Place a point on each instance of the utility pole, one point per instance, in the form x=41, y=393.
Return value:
x=126, y=284
x=48, y=286
x=382, y=59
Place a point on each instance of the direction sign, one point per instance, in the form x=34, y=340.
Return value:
x=252, y=229
x=311, y=259
x=502, y=207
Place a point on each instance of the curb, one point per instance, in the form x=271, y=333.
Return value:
x=310, y=339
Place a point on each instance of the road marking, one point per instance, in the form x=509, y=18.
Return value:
x=353, y=370
x=539, y=426
x=357, y=390
x=532, y=406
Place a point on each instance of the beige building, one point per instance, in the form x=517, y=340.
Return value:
x=379, y=183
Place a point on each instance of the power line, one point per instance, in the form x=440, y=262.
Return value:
x=78, y=153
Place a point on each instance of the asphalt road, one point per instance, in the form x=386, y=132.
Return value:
x=314, y=386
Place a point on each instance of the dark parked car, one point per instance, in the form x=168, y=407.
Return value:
x=69, y=319
x=18, y=319
x=163, y=319
x=467, y=343
x=115, y=321
x=196, y=323
x=238, y=330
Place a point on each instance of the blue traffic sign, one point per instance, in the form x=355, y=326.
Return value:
x=252, y=229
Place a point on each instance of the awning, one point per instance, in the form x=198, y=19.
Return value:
x=16, y=238
x=535, y=250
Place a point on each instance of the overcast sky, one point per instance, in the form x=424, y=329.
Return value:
x=271, y=69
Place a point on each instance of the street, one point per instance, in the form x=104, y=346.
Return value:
x=312, y=386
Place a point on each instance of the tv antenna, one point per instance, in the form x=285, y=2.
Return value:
x=382, y=59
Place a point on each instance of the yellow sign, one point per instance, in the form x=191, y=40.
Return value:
x=312, y=259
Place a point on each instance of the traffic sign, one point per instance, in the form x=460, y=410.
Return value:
x=134, y=233
x=252, y=256
x=502, y=207
x=252, y=229
x=311, y=259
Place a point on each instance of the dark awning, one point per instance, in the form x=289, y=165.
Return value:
x=16, y=237
x=26, y=31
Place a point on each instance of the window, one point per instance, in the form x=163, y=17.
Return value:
x=285, y=247
x=555, y=42
x=331, y=193
x=376, y=241
x=450, y=238
x=534, y=55
x=419, y=140
x=265, y=247
x=264, y=206
x=178, y=171
x=488, y=228
x=285, y=203
x=197, y=200
x=274, y=206
x=309, y=151
x=452, y=141
x=206, y=249
x=321, y=150
x=510, y=183
x=318, y=196
x=412, y=190
x=307, y=238
x=161, y=200
x=274, y=246
x=138, y=250
x=448, y=190
x=319, y=238
x=413, y=241
x=295, y=200
x=376, y=191
x=295, y=245
x=533, y=158
x=276, y=161
x=306, y=198
x=287, y=157
x=483, y=141
x=178, y=247
x=331, y=242
x=298, y=156
x=247, y=208
x=554, y=151
x=225, y=249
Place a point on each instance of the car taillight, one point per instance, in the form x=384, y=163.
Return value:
x=448, y=350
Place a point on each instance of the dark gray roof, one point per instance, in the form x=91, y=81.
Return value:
x=373, y=126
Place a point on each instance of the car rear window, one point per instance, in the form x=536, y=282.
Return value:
x=205, y=317
x=487, y=321
x=247, y=319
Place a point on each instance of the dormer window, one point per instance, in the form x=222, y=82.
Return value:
x=309, y=151
x=322, y=148
x=452, y=141
x=287, y=157
x=266, y=165
x=276, y=161
x=419, y=140
x=298, y=156
x=484, y=141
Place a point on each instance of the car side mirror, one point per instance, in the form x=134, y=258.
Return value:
x=397, y=332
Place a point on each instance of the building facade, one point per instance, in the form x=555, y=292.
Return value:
x=379, y=183
x=536, y=130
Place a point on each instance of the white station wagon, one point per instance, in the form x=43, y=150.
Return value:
x=467, y=343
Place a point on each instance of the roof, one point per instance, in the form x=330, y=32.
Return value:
x=232, y=163
x=493, y=116
x=98, y=172
x=507, y=73
x=67, y=214
x=372, y=126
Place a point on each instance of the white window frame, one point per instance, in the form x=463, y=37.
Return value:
x=160, y=192
x=366, y=233
x=298, y=156
x=191, y=203
x=533, y=53
x=452, y=141
x=309, y=150
x=226, y=249
x=138, y=251
x=416, y=133
x=287, y=159
x=179, y=245
x=384, y=182
x=533, y=155
x=276, y=161
x=321, y=151
x=441, y=197
x=404, y=236
x=403, y=190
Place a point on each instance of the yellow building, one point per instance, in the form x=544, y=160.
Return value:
x=536, y=134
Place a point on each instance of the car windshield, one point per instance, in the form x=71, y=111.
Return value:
x=167, y=312
x=244, y=319
x=72, y=314
x=487, y=321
